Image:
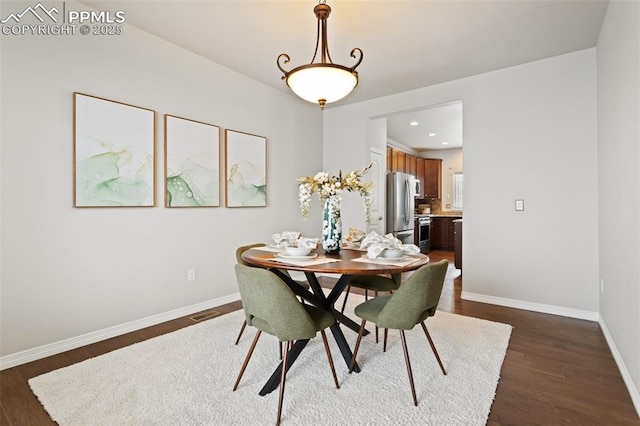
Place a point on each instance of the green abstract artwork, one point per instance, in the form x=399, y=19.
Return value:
x=114, y=147
x=246, y=169
x=192, y=158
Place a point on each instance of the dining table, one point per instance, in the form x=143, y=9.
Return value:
x=346, y=263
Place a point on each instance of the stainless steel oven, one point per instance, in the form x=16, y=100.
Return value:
x=424, y=229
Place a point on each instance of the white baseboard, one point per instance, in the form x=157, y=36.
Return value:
x=44, y=351
x=633, y=389
x=530, y=306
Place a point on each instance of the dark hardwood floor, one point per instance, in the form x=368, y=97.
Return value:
x=557, y=370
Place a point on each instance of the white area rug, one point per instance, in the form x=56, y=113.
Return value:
x=186, y=378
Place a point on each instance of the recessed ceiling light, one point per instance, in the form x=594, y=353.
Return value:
x=432, y=134
x=413, y=123
x=445, y=143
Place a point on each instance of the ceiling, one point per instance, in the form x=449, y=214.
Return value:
x=407, y=44
x=436, y=127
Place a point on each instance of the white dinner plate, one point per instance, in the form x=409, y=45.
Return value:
x=396, y=254
x=289, y=256
x=394, y=259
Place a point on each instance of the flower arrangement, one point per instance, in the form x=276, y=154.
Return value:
x=332, y=186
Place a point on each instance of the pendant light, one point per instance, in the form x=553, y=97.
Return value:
x=322, y=82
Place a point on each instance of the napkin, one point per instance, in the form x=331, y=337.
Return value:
x=355, y=236
x=311, y=243
x=376, y=244
x=287, y=237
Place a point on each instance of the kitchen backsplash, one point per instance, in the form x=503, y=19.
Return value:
x=435, y=205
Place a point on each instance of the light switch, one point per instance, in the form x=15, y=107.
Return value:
x=519, y=205
x=191, y=275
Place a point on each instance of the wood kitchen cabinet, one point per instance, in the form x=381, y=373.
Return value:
x=420, y=175
x=457, y=243
x=443, y=233
x=427, y=170
x=411, y=164
x=449, y=234
x=401, y=161
x=398, y=160
x=432, y=186
x=437, y=233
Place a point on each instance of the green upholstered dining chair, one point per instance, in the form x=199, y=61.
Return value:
x=241, y=261
x=271, y=307
x=414, y=301
x=375, y=283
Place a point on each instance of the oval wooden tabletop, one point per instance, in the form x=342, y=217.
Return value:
x=345, y=265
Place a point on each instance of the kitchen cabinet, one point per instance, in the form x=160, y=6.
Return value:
x=411, y=164
x=449, y=234
x=437, y=233
x=420, y=175
x=398, y=160
x=401, y=161
x=457, y=243
x=442, y=233
x=432, y=187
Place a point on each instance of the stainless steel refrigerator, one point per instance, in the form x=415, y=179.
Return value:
x=401, y=190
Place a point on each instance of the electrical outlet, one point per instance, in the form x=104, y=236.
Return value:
x=601, y=285
x=191, y=274
x=519, y=205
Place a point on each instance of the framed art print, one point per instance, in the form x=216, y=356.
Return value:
x=192, y=163
x=114, y=153
x=246, y=169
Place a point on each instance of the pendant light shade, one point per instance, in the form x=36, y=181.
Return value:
x=322, y=82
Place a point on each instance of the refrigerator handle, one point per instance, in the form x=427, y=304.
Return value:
x=407, y=194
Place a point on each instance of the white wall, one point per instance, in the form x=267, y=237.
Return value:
x=451, y=162
x=67, y=272
x=619, y=184
x=529, y=132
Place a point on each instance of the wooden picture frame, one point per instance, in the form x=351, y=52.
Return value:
x=114, y=153
x=191, y=163
x=246, y=169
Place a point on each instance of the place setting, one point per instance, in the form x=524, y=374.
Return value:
x=382, y=249
x=293, y=249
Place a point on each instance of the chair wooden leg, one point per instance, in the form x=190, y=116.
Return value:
x=247, y=358
x=346, y=295
x=433, y=347
x=244, y=325
x=384, y=346
x=406, y=360
x=330, y=358
x=355, y=350
x=376, y=295
x=282, y=379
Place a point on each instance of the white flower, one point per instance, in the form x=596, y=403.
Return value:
x=332, y=186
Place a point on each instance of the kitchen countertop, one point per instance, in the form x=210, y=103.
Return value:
x=453, y=215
